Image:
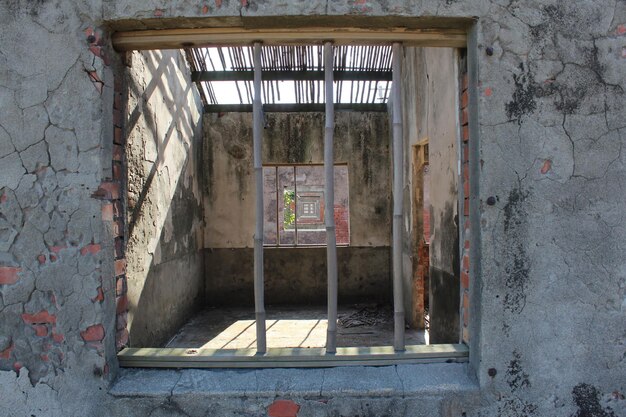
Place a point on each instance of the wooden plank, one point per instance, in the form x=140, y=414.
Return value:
x=290, y=75
x=295, y=107
x=290, y=357
x=188, y=38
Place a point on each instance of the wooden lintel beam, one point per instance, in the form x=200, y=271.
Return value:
x=295, y=108
x=284, y=75
x=191, y=38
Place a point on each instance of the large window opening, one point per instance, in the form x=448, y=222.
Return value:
x=194, y=167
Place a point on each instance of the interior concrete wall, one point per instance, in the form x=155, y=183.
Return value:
x=360, y=141
x=165, y=265
x=430, y=113
x=547, y=89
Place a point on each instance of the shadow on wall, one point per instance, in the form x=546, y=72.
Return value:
x=165, y=267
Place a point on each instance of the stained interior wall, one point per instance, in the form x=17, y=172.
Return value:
x=296, y=275
x=430, y=113
x=164, y=216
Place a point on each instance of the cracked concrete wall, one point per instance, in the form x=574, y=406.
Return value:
x=165, y=263
x=547, y=325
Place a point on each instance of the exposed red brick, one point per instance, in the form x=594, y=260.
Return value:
x=91, y=249
x=117, y=118
x=9, y=275
x=99, y=297
x=41, y=330
x=118, y=228
x=40, y=317
x=117, y=101
x=465, y=133
x=466, y=207
x=122, y=304
x=119, y=247
x=120, y=267
x=464, y=81
x=464, y=279
x=218, y=3
x=464, y=99
x=93, y=333
x=117, y=136
x=41, y=259
x=120, y=286
x=466, y=188
x=57, y=337
x=546, y=166
x=464, y=116
x=488, y=92
x=108, y=191
x=6, y=353
x=205, y=9
x=117, y=209
x=283, y=408
x=122, y=321
x=53, y=258
x=244, y=3
x=107, y=212
x=17, y=366
x=465, y=152
x=465, y=300
x=118, y=153
x=158, y=12
x=466, y=263
x=117, y=84
x=3, y=197
x=621, y=29
x=117, y=171
x=467, y=244
x=121, y=339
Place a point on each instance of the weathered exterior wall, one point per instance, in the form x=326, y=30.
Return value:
x=547, y=328
x=360, y=141
x=165, y=265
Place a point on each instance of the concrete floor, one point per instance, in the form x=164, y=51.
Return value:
x=290, y=326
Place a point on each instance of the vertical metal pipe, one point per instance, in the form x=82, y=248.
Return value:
x=398, y=172
x=257, y=132
x=329, y=174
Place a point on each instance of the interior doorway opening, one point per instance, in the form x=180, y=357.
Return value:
x=191, y=198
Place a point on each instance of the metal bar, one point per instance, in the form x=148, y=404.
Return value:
x=329, y=196
x=398, y=172
x=257, y=132
x=295, y=107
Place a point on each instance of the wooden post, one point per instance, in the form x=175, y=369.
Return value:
x=257, y=132
x=398, y=172
x=329, y=194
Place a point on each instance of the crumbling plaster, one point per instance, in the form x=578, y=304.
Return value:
x=548, y=324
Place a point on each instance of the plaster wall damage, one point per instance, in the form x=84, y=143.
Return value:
x=546, y=289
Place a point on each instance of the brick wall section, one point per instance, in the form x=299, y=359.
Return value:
x=465, y=277
x=110, y=192
x=342, y=229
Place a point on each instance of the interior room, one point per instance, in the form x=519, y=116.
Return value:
x=191, y=212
